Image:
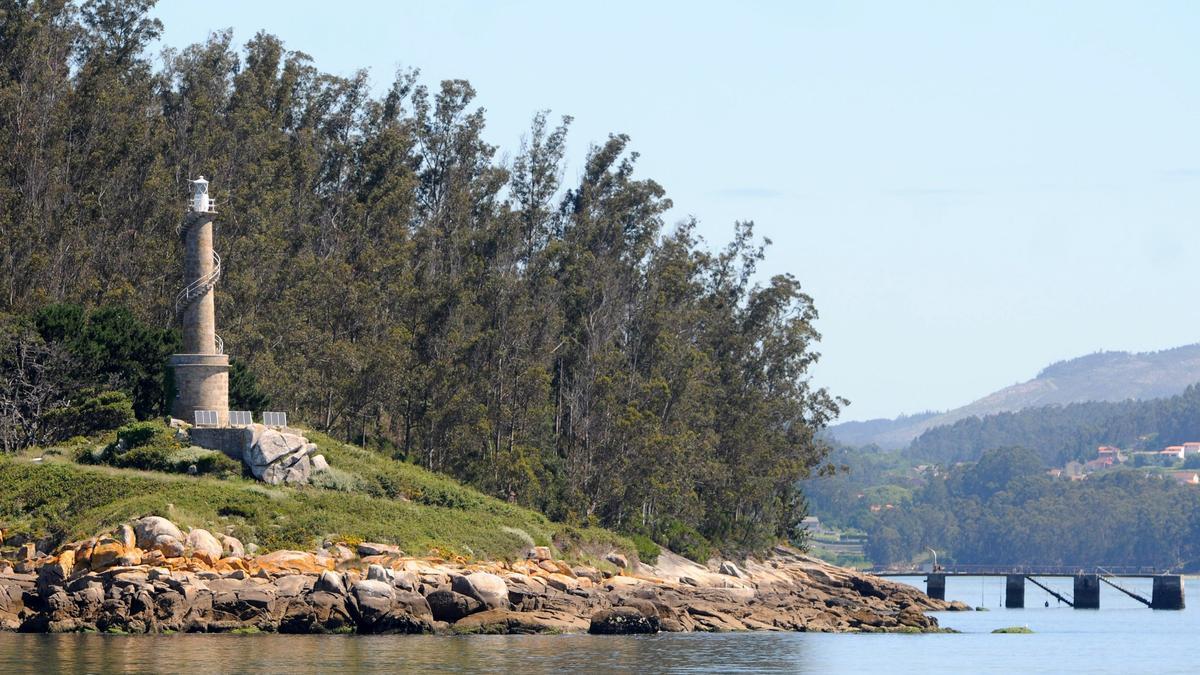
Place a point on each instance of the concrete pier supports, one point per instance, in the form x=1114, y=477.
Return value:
x=1014, y=591
x=1167, y=592
x=1087, y=591
x=935, y=586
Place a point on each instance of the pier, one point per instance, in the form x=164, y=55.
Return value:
x=1167, y=590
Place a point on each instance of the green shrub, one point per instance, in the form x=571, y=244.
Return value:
x=89, y=455
x=146, y=458
x=647, y=550
x=207, y=462
x=334, y=478
x=218, y=464
x=95, y=412
x=110, y=343
x=687, y=542
x=149, y=446
x=140, y=433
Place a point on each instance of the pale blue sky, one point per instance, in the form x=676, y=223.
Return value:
x=970, y=190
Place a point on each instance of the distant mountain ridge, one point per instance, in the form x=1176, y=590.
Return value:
x=1103, y=376
x=866, y=432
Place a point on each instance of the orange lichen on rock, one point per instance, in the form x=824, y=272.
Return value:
x=293, y=562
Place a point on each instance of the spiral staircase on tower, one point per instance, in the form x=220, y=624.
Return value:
x=198, y=288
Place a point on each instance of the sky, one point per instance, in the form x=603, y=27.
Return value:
x=969, y=190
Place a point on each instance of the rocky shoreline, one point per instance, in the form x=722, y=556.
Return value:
x=148, y=577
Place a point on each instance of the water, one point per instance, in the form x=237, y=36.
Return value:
x=1121, y=637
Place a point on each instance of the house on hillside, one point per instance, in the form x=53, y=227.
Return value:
x=1175, y=451
x=1186, y=477
x=1110, y=451
x=1191, y=448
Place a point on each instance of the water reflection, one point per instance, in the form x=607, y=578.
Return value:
x=757, y=653
x=1121, y=637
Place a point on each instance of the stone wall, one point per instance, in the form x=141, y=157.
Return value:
x=230, y=440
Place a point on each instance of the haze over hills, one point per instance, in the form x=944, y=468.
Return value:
x=1103, y=376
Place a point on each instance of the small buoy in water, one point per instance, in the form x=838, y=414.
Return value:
x=1047, y=603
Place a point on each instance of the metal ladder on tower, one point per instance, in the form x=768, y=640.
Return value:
x=196, y=290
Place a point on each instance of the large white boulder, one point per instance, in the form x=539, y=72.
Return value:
x=484, y=587
x=729, y=568
x=203, y=541
x=293, y=472
x=271, y=445
x=330, y=582
x=277, y=457
x=147, y=530
x=231, y=547
x=172, y=547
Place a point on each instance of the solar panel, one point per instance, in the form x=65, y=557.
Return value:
x=275, y=419
x=240, y=418
x=206, y=418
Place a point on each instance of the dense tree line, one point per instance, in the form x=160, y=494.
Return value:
x=1004, y=510
x=388, y=278
x=1059, y=434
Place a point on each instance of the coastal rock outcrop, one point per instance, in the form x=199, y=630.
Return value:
x=276, y=457
x=450, y=606
x=135, y=582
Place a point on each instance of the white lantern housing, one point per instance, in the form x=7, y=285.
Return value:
x=200, y=202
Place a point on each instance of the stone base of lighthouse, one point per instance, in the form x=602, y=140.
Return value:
x=201, y=383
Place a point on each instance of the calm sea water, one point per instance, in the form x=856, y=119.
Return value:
x=1121, y=637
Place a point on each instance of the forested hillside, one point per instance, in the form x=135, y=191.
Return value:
x=1059, y=434
x=1004, y=510
x=388, y=276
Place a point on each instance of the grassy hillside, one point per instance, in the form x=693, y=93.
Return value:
x=366, y=497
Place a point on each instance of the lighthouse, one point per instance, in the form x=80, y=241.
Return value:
x=201, y=372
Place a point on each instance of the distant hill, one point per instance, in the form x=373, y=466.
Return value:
x=866, y=432
x=1060, y=433
x=1104, y=376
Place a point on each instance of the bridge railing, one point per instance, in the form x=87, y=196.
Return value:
x=1104, y=570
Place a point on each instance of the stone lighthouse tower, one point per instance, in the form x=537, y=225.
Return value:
x=202, y=370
